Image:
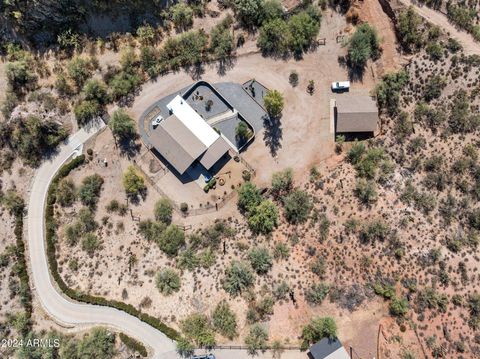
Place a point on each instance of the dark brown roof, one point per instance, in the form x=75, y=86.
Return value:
x=356, y=114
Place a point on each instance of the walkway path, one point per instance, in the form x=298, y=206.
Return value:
x=59, y=307
x=470, y=46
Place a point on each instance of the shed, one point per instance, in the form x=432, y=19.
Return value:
x=356, y=114
x=328, y=349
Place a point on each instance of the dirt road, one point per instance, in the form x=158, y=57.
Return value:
x=437, y=18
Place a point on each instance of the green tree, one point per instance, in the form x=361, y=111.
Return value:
x=317, y=329
x=248, y=197
x=89, y=191
x=388, y=91
x=242, y=132
x=133, y=183
x=256, y=339
x=163, y=211
x=171, y=240
x=297, y=206
x=238, y=277
x=185, y=348
x=317, y=293
x=249, y=12
x=409, y=23
x=282, y=182
x=225, y=320
x=398, y=306
x=260, y=260
x=99, y=343
x=122, y=125
x=221, y=39
x=86, y=111
x=19, y=76
x=274, y=38
x=168, y=281
x=272, y=9
x=274, y=103
x=198, y=329
x=95, y=90
x=79, y=70
x=264, y=218
x=303, y=29
x=182, y=16
x=363, y=45
x=146, y=34
x=13, y=202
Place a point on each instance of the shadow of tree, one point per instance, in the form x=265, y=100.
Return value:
x=223, y=65
x=129, y=147
x=273, y=134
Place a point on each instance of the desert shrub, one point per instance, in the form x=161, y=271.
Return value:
x=248, y=197
x=86, y=111
x=163, y=211
x=122, y=125
x=317, y=329
x=149, y=60
x=434, y=87
x=317, y=293
x=66, y=193
x=221, y=39
x=281, y=251
x=19, y=76
x=168, y=281
x=89, y=191
x=238, y=277
x=32, y=138
x=13, y=202
x=282, y=182
x=95, y=90
x=474, y=309
x=366, y=191
x=297, y=206
x=123, y=84
x=376, y=230
x=184, y=50
x=99, y=343
x=356, y=152
x=319, y=267
x=409, y=31
x=181, y=15
x=188, y=260
x=151, y=230
x=224, y=320
x=197, y=328
x=281, y=290
x=79, y=70
x=256, y=339
x=388, y=91
x=171, y=240
x=431, y=299
x=385, y=290
x=363, y=45
x=461, y=119
x=90, y=243
x=264, y=218
x=398, y=306
x=435, y=50
x=134, y=183
x=474, y=219
x=185, y=348
x=133, y=344
x=260, y=260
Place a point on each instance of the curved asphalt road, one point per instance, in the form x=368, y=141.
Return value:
x=58, y=306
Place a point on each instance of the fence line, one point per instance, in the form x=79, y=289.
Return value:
x=209, y=207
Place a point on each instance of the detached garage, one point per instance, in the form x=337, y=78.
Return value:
x=356, y=114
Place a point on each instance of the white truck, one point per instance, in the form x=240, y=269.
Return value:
x=340, y=85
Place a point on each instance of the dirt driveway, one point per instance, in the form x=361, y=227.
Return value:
x=302, y=137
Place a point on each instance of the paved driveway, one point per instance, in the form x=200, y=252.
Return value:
x=60, y=308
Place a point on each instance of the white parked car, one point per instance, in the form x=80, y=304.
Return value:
x=156, y=121
x=340, y=85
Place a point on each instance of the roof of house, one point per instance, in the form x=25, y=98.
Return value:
x=356, y=114
x=192, y=120
x=182, y=138
x=328, y=349
x=214, y=153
